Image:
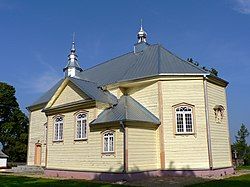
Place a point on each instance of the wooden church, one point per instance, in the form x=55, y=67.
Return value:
x=144, y=113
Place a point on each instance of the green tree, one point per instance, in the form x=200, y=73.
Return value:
x=13, y=125
x=241, y=144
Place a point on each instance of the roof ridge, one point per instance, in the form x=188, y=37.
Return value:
x=183, y=60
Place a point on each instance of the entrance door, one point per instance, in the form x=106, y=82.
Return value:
x=38, y=154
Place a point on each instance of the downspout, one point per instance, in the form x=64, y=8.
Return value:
x=125, y=151
x=208, y=125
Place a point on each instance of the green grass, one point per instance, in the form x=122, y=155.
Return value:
x=243, y=168
x=243, y=180
x=12, y=180
x=22, y=181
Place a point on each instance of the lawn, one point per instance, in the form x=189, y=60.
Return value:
x=243, y=180
x=13, y=180
x=243, y=168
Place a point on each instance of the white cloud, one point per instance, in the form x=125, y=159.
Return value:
x=43, y=81
x=242, y=6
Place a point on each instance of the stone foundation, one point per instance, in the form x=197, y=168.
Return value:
x=105, y=176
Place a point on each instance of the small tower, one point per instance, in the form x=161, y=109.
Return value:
x=142, y=35
x=73, y=68
x=142, y=43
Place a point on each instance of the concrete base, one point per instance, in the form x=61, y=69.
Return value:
x=28, y=169
x=107, y=176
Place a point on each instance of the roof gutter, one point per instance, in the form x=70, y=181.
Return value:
x=36, y=107
x=150, y=78
x=186, y=74
x=208, y=124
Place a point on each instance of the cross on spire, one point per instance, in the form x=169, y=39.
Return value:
x=73, y=43
x=73, y=68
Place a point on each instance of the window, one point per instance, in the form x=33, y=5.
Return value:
x=81, y=126
x=108, y=142
x=58, y=128
x=184, y=119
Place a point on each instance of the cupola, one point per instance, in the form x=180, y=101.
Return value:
x=142, y=42
x=73, y=68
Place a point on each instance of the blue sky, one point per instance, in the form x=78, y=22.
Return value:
x=35, y=37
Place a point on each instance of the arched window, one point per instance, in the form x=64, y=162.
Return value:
x=108, y=142
x=58, y=128
x=184, y=119
x=81, y=126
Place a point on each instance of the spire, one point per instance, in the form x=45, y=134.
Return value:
x=142, y=35
x=73, y=66
x=142, y=43
x=72, y=57
x=73, y=43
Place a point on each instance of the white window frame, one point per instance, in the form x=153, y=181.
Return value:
x=110, y=136
x=184, y=110
x=58, y=128
x=82, y=118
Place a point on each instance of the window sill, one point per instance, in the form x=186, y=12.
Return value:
x=57, y=141
x=108, y=153
x=184, y=133
x=80, y=139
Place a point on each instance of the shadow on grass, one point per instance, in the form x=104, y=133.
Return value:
x=136, y=174
x=243, y=180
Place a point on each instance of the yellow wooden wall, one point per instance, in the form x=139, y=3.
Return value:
x=70, y=94
x=36, y=133
x=142, y=149
x=185, y=151
x=116, y=92
x=83, y=155
x=220, y=140
x=147, y=95
x=181, y=151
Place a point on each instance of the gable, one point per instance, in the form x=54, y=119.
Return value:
x=68, y=95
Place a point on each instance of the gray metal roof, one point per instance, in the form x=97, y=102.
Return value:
x=154, y=60
x=127, y=109
x=92, y=90
x=3, y=155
